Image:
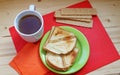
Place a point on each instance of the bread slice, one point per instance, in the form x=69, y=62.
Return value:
x=60, y=41
x=61, y=62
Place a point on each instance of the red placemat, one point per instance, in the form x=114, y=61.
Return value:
x=102, y=50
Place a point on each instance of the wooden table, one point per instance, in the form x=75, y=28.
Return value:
x=108, y=12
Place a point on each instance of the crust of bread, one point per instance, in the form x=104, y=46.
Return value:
x=44, y=47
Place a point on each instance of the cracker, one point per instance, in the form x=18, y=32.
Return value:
x=83, y=20
x=77, y=19
x=58, y=15
x=78, y=11
x=76, y=23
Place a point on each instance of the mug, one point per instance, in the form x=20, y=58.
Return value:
x=29, y=24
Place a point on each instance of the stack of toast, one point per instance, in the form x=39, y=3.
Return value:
x=76, y=16
x=61, y=49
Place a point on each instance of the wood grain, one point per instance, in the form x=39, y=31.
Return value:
x=108, y=12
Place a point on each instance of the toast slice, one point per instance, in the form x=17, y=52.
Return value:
x=60, y=41
x=61, y=62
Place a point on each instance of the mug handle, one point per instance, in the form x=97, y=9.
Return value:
x=32, y=7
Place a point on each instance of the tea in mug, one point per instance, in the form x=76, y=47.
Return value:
x=29, y=24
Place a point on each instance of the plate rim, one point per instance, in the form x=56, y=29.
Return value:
x=76, y=31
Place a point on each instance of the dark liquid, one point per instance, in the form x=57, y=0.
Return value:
x=29, y=24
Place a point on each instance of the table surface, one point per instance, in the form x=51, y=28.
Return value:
x=108, y=12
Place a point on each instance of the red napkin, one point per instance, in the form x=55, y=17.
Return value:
x=102, y=50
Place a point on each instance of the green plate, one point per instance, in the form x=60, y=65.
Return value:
x=81, y=58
